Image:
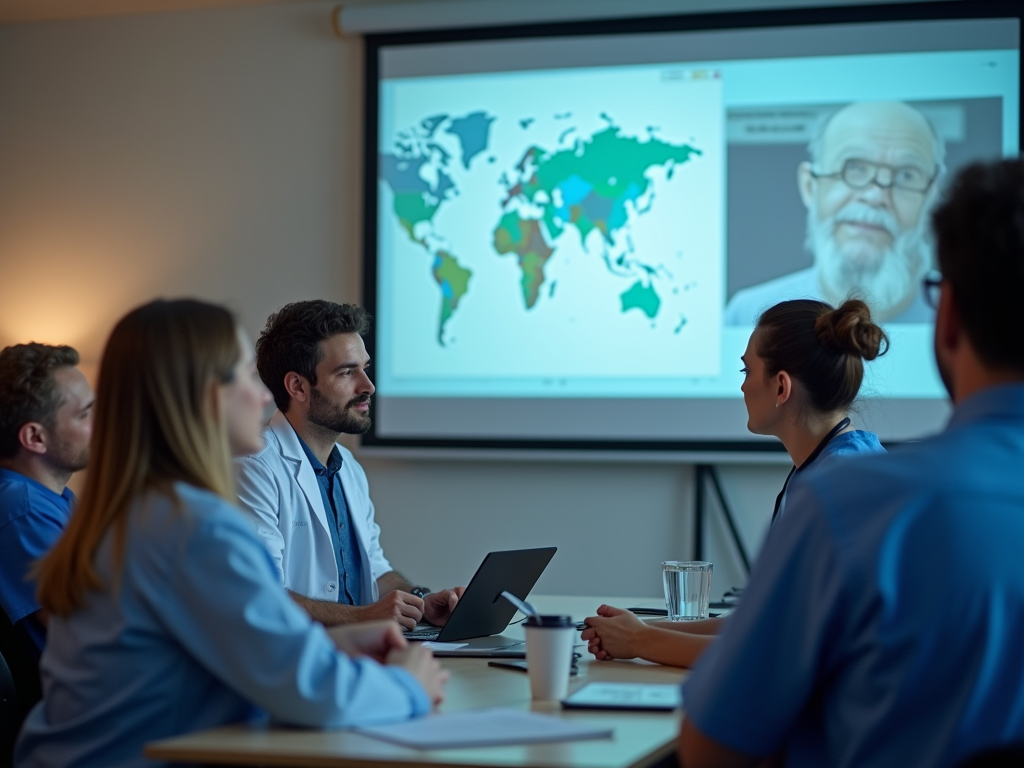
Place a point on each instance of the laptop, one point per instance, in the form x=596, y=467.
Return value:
x=482, y=613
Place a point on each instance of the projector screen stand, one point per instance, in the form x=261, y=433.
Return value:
x=703, y=474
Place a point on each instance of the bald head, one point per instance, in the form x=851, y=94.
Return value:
x=878, y=123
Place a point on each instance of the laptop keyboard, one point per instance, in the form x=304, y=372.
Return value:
x=422, y=634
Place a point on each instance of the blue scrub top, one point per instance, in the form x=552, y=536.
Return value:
x=32, y=518
x=856, y=442
x=884, y=620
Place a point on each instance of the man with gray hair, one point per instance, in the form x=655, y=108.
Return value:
x=868, y=187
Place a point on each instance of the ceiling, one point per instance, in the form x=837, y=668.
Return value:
x=13, y=11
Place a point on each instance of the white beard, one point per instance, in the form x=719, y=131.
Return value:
x=888, y=279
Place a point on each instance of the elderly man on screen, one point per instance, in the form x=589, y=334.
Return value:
x=868, y=188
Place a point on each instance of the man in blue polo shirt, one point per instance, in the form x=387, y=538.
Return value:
x=884, y=620
x=45, y=423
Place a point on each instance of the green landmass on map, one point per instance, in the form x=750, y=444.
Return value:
x=642, y=297
x=453, y=280
x=524, y=238
x=415, y=201
x=589, y=186
x=411, y=209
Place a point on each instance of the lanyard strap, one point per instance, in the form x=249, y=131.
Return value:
x=810, y=459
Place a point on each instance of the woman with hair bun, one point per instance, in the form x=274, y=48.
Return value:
x=803, y=368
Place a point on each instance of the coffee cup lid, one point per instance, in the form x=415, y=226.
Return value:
x=556, y=622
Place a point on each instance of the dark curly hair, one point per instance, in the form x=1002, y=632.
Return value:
x=979, y=239
x=291, y=341
x=28, y=391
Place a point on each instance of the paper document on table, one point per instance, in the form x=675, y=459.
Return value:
x=436, y=646
x=483, y=728
x=626, y=696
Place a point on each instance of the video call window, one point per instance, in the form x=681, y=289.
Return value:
x=571, y=229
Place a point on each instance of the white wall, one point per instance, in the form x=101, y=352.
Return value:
x=213, y=153
x=613, y=524
x=217, y=154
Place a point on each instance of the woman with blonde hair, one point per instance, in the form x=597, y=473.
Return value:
x=802, y=368
x=166, y=615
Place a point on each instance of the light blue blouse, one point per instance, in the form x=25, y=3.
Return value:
x=197, y=633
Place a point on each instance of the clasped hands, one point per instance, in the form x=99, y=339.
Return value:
x=614, y=633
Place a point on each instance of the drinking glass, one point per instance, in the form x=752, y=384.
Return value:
x=687, y=588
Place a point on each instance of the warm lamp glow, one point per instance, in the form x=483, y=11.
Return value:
x=50, y=295
x=55, y=294
x=58, y=328
x=54, y=327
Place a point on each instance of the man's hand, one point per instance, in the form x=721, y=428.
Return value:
x=613, y=634
x=375, y=639
x=438, y=606
x=421, y=664
x=398, y=606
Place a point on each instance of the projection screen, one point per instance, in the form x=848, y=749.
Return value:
x=571, y=229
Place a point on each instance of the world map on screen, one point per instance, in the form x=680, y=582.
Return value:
x=594, y=188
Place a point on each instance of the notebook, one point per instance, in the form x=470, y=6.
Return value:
x=650, y=696
x=484, y=728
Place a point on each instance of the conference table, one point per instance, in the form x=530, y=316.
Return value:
x=640, y=739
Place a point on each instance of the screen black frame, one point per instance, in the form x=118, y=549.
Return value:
x=943, y=10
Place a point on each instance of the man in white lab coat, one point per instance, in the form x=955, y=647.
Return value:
x=307, y=494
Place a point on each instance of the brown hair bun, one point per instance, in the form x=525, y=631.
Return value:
x=849, y=329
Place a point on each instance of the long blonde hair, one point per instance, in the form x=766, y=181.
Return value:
x=156, y=421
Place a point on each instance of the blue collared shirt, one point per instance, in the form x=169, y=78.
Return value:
x=884, y=620
x=346, y=548
x=32, y=518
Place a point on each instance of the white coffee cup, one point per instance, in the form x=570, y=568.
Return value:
x=549, y=644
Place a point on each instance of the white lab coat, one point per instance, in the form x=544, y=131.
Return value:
x=278, y=487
